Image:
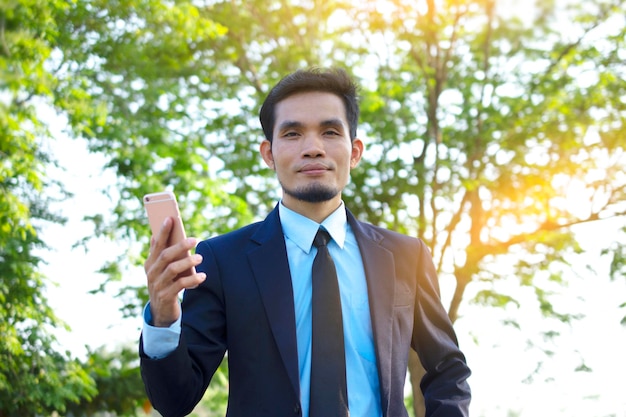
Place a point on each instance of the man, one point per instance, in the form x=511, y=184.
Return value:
x=254, y=296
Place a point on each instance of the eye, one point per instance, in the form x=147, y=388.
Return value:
x=332, y=133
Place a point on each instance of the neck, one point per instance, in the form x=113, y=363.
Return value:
x=317, y=212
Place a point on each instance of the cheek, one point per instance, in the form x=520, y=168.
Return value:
x=343, y=174
x=281, y=166
x=283, y=151
x=279, y=161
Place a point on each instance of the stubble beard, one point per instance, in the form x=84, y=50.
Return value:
x=312, y=193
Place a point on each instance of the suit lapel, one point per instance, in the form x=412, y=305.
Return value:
x=271, y=271
x=380, y=275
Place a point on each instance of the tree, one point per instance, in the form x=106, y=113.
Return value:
x=492, y=124
x=488, y=121
x=145, y=83
x=35, y=378
x=118, y=384
x=170, y=93
x=480, y=125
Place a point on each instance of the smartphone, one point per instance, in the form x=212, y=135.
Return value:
x=159, y=206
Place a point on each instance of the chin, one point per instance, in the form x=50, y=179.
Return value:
x=312, y=193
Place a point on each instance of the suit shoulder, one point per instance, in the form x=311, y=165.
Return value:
x=392, y=235
x=235, y=238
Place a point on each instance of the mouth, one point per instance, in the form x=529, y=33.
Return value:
x=313, y=169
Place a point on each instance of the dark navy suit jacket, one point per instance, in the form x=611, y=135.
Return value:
x=246, y=306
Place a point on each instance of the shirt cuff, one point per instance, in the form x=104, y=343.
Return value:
x=158, y=342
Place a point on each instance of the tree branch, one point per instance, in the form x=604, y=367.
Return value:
x=3, y=43
x=456, y=218
x=568, y=48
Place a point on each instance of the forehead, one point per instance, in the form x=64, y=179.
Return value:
x=310, y=107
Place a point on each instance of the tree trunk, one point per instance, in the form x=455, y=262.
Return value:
x=416, y=372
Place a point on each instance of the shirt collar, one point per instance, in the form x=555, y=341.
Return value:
x=301, y=230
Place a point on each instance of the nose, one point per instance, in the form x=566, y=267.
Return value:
x=313, y=146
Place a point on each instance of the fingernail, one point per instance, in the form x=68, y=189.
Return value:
x=197, y=258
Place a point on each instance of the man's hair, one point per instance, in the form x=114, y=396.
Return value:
x=334, y=80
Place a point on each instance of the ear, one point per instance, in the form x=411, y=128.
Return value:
x=266, y=153
x=357, y=152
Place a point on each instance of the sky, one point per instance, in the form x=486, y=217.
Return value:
x=503, y=362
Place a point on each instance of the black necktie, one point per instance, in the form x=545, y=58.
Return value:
x=329, y=393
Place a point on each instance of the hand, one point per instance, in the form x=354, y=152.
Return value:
x=170, y=270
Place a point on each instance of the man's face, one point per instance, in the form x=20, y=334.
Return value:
x=311, y=151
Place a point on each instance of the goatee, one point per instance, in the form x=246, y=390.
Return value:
x=314, y=193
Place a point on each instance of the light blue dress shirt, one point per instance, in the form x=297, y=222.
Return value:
x=361, y=369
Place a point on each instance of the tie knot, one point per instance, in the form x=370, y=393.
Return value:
x=321, y=238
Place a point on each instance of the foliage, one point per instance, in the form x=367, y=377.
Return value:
x=119, y=386
x=617, y=270
x=490, y=132
x=35, y=379
x=500, y=134
x=494, y=125
x=169, y=92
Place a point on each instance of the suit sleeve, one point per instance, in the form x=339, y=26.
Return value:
x=445, y=388
x=176, y=383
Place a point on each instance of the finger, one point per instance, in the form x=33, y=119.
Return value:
x=181, y=267
x=163, y=235
x=164, y=296
x=166, y=292
x=178, y=251
x=164, y=304
x=190, y=282
x=173, y=263
x=158, y=243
